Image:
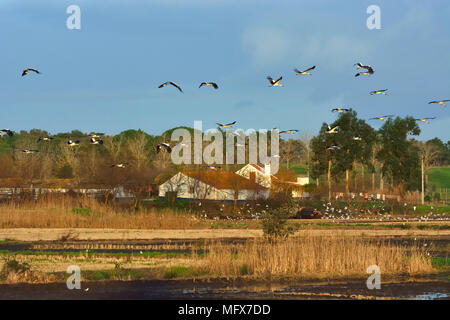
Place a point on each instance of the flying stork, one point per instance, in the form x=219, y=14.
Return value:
x=275, y=83
x=25, y=72
x=379, y=92
x=441, y=102
x=305, y=72
x=209, y=84
x=171, y=83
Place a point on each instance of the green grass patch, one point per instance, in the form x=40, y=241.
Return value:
x=85, y=212
x=299, y=168
x=439, y=176
x=117, y=273
x=244, y=270
x=148, y=254
x=8, y=241
x=176, y=272
x=440, y=262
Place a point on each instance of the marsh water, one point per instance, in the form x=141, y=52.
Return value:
x=429, y=289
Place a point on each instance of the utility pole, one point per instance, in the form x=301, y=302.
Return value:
x=423, y=186
x=329, y=180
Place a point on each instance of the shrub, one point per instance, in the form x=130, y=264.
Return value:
x=13, y=266
x=65, y=172
x=274, y=223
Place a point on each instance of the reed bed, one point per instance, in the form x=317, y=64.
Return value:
x=84, y=212
x=315, y=257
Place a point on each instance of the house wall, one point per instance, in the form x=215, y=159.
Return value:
x=190, y=188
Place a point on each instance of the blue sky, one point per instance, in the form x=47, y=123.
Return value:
x=105, y=76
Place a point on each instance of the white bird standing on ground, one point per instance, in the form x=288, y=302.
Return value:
x=275, y=83
x=171, y=83
x=305, y=72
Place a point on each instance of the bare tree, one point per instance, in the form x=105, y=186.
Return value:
x=113, y=146
x=137, y=148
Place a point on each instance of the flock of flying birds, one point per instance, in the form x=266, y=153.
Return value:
x=95, y=139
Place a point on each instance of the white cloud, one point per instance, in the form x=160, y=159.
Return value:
x=266, y=46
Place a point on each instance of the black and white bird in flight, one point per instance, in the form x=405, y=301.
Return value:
x=119, y=165
x=96, y=135
x=441, y=102
x=215, y=168
x=29, y=151
x=383, y=118
x=289, y=131
x=96, y=141
x=379, y=92
x=26, y=71
x=425, y=120
x=209, y=84
x=45, y=139
x=305, y=72
x=227, y=125
x=333, y=148
x=340, y=110
x=364, y=73
x=330, y=130
x=275, y=83
x=7, y=131
x=171, y=83
x=163, y=145
x=73, y=143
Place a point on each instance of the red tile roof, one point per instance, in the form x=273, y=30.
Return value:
x=257, y=167
x=224, y=180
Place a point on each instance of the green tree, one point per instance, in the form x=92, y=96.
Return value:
x=355, y=139
x=398, y=155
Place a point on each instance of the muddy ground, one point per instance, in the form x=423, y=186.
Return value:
x=422, y=289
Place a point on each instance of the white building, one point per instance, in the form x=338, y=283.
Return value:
x=265, y=178
x=254, y=172
x=213, y=185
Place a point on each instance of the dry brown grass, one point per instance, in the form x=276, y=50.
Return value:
x=305, y=257
x=84, y=212
x=314, y=257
